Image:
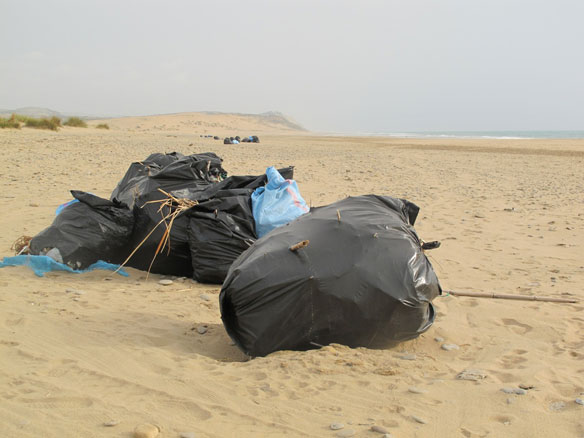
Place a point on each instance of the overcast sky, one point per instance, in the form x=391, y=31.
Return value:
x=342, y=66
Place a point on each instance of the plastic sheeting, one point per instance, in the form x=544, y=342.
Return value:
x=43, y=264
x=362, y=280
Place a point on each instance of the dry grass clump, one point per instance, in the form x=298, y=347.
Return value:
x=21, y=245
x=170, y=208
x=9, y=123
x=53, y=123
x=16, y=120
x=19, y=118
x=102, y=126
x=75, y=122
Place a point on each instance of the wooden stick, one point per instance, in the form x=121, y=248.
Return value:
x=299, y=245
x=511, y=297
x=339, y=216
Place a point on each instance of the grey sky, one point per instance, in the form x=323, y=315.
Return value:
x=361, y=66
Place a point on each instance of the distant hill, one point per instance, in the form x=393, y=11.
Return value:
x=277, y=118
x=32, y=111
x=268, y=121
x=215, y=123
x=274, y=119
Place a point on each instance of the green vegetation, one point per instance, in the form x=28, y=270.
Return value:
x=19, y=118
x=53, y=123
x=9, y=123
x=16, y=120
x=102, y=126
x=76, y=122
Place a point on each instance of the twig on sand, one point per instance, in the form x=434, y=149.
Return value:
x=511, y=297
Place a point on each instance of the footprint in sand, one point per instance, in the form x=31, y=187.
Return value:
x=259, y=376
x=467, y=432
x=513, y=360
x=505, y=419
x=516, y=326
x=472, y=302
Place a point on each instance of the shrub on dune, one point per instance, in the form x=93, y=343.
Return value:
x=9, y=123
x=53, y=123
x=75, y=122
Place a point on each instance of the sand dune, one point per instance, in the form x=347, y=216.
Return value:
x=208, y=124
x=509, y=215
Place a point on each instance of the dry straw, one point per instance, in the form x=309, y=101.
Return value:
x=21, y=245
x=173, y=207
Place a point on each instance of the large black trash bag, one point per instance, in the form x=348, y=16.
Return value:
x=210, y=267
x=219, y=231
x=363, y=280
x=169, y=172
x=87, y=231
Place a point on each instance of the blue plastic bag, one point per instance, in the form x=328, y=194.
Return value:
x=41, y=264
x=276, y=204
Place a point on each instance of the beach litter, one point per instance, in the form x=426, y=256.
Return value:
x=85, y=232
x=353, y=272
x=43, y=264
x=277, y=203
x=360, y=278
x=170, y=214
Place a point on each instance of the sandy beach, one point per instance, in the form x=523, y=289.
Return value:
x=125, y=350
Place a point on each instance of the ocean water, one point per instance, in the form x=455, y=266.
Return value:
x=484, y=134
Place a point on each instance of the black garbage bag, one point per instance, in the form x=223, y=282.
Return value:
x=87, y=231
x=223, y=188
x=220, y=229
x=234, y=186
x=362, y=280
x=168, y=172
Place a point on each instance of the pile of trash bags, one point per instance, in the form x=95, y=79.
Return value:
x=237, y=139
x=353, y=272
x=146, y=226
